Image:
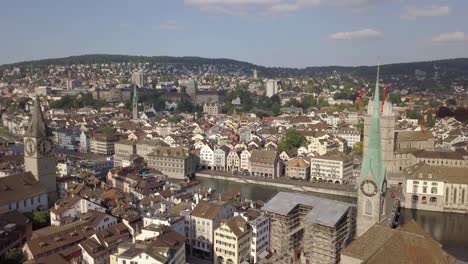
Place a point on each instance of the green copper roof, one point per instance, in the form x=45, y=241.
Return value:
x=372, y=163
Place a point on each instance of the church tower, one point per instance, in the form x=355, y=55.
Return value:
x=387, y=132
x=135, y=104
x=39, y=152
x=372, y=182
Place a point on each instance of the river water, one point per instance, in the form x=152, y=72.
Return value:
x=451, y=230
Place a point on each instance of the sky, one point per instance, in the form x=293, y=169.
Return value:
x=284, y=33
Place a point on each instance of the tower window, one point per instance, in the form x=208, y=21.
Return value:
x=368, y=208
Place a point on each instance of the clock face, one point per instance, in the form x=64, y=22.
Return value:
x=369, y=188
x=30, y=147
x=45, y=146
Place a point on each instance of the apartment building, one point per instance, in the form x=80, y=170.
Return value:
x=103, y=144
x=334, y=167
x=125, y=151
x=436, y=188
x=202, y=223
x=264, y=163
x=174, y=162
x=212, y=109
x=232, y=241
x=298, y=168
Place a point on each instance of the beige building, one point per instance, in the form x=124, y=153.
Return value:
x=174, y=162
x=264, y=163
x=212, y=109
x=124, y=152
x=334, y=167
x=315, y=227
x=103, y=144
x=436, y=188
x=202, y=223
x=297, y=168
x=232, y=241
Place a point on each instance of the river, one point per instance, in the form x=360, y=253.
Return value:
x=451, y=230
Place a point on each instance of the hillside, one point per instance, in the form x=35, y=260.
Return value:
x=446, y=71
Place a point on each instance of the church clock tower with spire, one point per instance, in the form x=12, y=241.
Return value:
x=372, y=182
x=39, y=152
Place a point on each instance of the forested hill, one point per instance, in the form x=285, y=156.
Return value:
x=455, y=69
x=109, y=58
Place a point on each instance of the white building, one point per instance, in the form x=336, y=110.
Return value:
x=67, y=210
x=245, y=160
x=203, y=220
x=206, y=157
x=167, y=248
x=271, y=87
x=233, y=161
x=335, y=167
x=436, y=188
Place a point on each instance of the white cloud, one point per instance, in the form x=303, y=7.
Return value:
x=450, y=37
x=427, y=11
x=170, y=25
x=358, y=34
x=242, y=7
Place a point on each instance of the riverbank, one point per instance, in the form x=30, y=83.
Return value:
x=299, y=186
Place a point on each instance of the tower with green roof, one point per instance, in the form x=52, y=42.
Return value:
x=372, y=182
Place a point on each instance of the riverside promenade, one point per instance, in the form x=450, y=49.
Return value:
x=284, y=183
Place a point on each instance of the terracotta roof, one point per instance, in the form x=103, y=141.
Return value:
x=18, y=187
x=413, y=135
x=265, y=156
x=410, y=244
x=237, y=225
x=208, y=210
x=436, y=173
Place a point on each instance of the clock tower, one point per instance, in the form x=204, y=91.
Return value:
x=372, y=182
x=39, y=152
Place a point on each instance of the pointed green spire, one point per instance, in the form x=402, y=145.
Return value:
x=372, y=163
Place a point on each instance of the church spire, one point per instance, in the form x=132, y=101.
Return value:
x=372, y=163
x=135, y=103
x=38, y=127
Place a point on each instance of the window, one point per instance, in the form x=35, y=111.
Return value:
x=424, y=189
x=433, y=200
x=447, y=195
x=463, y=196
x=434, y=190
x=455, y=195
x=368, y=208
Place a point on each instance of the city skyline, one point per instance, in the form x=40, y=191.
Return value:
x=299, y=33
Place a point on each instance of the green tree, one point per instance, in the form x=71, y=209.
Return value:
x=13, y=256
x=291, y=140
x=358, y=148
x=108, y=130
x=186, y=106
x=413, y=114
x=39, y=219
x=395, y=98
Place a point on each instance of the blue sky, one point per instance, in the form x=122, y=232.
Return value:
x=295, y=33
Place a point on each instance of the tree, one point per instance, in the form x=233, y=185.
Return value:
x=444, y=112
x=291, y=140
x=395, y=98
x=108, y=130
x=39, y=219
x=358, y=148
x=186, y=106
x=13, y=256
x=461, y=114
x=413, y=114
